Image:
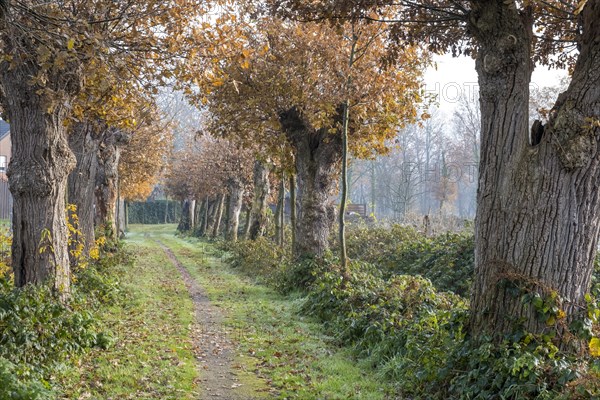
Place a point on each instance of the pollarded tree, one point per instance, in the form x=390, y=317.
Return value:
x=289, y=85
x=538, y=215
x=56, y=56
x=210, y=170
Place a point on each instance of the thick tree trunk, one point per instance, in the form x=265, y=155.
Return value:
x=258, y=215
x=538, y=216
x=318, y=157
x=219, y=216
x=236, y=197
x=107, y=180
x=83, y=141
x=38, y=171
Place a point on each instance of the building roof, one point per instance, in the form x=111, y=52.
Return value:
x=4, y=129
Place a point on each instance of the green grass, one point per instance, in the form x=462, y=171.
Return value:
x=152, y=357
x=280, y=353
x=288, y=351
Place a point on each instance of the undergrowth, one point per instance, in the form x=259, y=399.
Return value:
x=40, y=335
x=402, y=309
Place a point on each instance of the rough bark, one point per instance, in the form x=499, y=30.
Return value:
x=236, y=197
x=107, y=179
x=37, y=174
x=83, y=141
x=538, y=216
x=318, y=155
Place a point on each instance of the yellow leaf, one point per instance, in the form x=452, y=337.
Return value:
x=595, y=347
x=71, y=44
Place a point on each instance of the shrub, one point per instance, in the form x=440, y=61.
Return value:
x=12, y=388
x=447, y=259
x=39, y=334
x=402, y=325
x=261, y=259
x=530, y=368
x=398, y=321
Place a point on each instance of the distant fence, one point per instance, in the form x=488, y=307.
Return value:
x=6, y=203
x=154, y=212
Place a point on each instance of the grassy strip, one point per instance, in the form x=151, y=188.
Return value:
x=152, y=357
x=289, y=351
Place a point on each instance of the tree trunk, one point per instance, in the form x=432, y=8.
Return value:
x=538, y=216
x=279, y=212
x=212, y=216
x=205, y=215
x=38, y=171
x=167, y=210
x=185, y=223
x=344, y=197
x=318, y=156
x=198, y=217
x=219, y=215
x=247, y=224
x=192, y=216
x=293, y=209
x=107, y=180
x=236, y=197
x=82, y=181
x=126, y=215
x=120, y=214
x=258, y=215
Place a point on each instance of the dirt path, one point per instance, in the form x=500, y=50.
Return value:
x=212, y=345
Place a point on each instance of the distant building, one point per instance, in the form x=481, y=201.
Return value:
x=6, y=201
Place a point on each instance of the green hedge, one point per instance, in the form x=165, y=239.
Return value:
x=153, y=212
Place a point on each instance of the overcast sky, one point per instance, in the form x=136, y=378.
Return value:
x=456, y=76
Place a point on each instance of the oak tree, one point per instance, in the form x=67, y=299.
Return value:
x=287, y=87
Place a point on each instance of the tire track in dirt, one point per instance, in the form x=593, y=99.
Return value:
x=212, y=346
